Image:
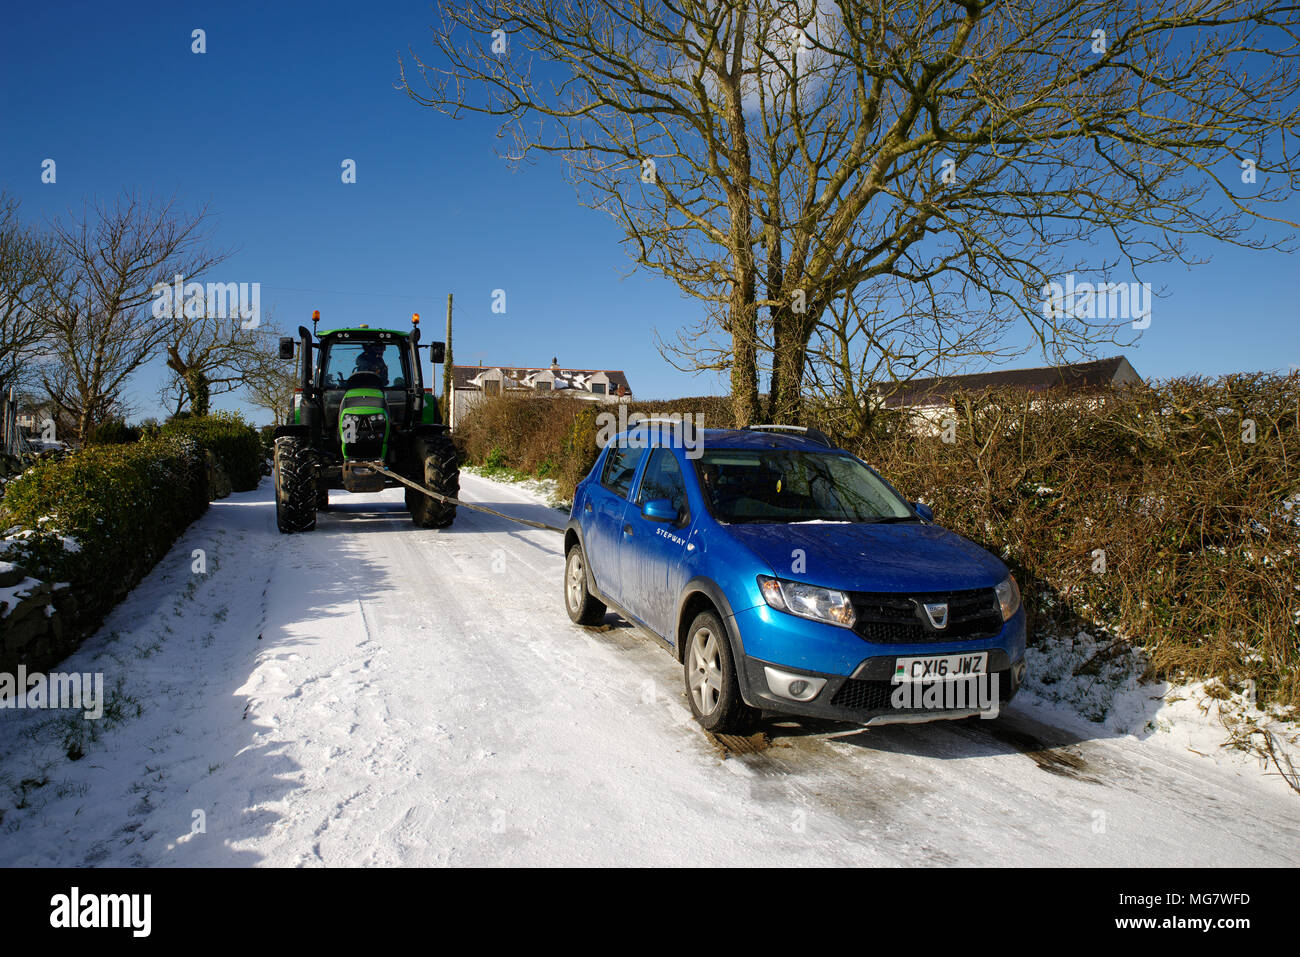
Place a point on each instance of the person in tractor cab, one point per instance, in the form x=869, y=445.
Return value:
x=371, y=360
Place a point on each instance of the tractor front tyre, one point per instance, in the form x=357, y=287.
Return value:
x=440, y=472
x=295, y=485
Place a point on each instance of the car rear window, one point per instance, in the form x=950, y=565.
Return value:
x=663, y=479
x=620, y=469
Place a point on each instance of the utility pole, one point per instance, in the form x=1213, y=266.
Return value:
x=447, y=387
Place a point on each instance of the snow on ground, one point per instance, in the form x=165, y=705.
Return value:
x=1076, y=678
x=373, y=693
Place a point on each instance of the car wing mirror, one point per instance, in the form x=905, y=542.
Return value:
x=924, y=511
x=659, y=510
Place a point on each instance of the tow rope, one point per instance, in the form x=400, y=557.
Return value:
x=448, y=500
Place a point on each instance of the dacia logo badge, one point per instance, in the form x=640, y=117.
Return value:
x=937, y=612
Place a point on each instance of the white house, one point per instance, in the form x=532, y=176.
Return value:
x=471, y=384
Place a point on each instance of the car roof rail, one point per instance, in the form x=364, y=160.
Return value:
x=815, y=434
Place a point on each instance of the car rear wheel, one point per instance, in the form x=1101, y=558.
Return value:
x=711, y=684
x=582, y=606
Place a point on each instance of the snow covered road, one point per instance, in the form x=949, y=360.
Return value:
x=371, y=693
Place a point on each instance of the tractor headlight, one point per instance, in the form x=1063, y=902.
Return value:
x=808, y=601
x=1008, y=596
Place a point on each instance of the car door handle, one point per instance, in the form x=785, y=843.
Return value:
x=627, y=530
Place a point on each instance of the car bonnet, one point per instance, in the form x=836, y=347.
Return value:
x=870, y=557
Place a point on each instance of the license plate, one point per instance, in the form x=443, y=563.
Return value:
x=941, y=667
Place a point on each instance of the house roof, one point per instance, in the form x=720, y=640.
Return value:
x=521, y=377
x=1075, y=377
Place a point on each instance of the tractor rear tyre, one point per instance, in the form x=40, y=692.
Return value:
x=440, y=471
x=295, y=484
x=322, y=497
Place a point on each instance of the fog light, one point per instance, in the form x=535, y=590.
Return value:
x=795, y=687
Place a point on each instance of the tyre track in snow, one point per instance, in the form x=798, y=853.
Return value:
x=373, y=693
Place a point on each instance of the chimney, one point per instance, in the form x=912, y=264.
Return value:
x=555, y=364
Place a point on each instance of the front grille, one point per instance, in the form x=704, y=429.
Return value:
x=863, y=695
x=892, y=618
x=363, y=434
x=867, y=696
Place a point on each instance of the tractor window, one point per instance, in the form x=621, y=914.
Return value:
x=374, y=364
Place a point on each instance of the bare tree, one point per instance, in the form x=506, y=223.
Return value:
x=773, y=157
x=103, y=324
x=863, y=350
x=269, y=381
x=24, y=260
x=210, y=354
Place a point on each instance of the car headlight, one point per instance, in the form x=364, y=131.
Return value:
x=1008, y=596
x=808, y=601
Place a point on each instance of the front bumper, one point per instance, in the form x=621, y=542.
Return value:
x=858, y=675
x=870, y=696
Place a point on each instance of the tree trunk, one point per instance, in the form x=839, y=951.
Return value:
x=790, y=334
x=744, y=360
x=742, y=313
x=196, y=383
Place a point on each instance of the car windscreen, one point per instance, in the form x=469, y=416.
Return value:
x=785, y=485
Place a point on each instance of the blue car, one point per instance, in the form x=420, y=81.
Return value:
x=789, y=577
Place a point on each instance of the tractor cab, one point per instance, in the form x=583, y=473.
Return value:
x=368, y=380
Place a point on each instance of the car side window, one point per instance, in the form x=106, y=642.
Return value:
x=620, y=469
x=663, y=479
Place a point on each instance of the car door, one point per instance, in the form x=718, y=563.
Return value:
x=648, y=549
x=602, y=528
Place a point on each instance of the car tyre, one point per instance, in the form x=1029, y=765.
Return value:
x=583, y=607
x=712, y=687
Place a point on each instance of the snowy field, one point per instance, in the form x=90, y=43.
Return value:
x=375, y=694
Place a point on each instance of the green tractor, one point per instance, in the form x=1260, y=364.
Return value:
x=361, y=418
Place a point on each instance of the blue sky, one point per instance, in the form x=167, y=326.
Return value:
x=257, y=129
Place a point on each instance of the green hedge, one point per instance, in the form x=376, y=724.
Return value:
x=236, y=444
x=102, y=517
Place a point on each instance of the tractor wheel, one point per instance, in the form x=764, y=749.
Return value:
x=440, y=472
x=295, y=484
x=322, y=497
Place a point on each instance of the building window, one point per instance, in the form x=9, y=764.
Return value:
x=542, y=386
x=598, y=388
x=492, y=387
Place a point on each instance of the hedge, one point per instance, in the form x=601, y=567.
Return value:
x=100, y=519
x=1165, y=517
x=236, y=444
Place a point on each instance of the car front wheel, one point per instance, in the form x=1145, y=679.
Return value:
x=711, y=683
